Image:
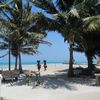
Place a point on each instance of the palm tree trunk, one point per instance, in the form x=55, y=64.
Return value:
x=90, y=64
x=70, y=72
x=20, y=64
x=98, y=62
x=9, y=58
x=16, y=62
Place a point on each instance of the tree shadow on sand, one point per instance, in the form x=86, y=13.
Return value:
x=60, y=80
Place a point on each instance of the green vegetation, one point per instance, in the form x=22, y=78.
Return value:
x=1, y=98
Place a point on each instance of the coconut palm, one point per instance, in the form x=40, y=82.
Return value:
x=64, y=20
x=91, y=28
x=19, y=19
x=59, y=19
x=69, y=15
x=91, y=50
x=5, y=42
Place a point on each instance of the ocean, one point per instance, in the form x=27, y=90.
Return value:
x=5, y=64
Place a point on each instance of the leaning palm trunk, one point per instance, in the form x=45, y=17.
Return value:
x=16, y=62
x=20, y=64
x=9, y=58
x=70, y=72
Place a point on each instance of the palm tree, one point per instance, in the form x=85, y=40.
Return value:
x=91, y=28
x=91, y=50
x=69, y=17
x=5, y=45
x=60, y=24
x=4, y=33
x=67, y=22
x=90, y=24
x=20, y=20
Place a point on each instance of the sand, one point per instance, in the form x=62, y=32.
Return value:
x=55, y=86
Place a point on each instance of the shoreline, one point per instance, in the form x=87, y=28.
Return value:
x=48, y=64
x=49, y=67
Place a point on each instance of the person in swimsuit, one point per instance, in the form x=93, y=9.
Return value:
x=45, y=65
x=38, y=65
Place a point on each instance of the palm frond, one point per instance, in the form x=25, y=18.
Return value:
x=92, y=23
x=64, y=5
x=46, y=5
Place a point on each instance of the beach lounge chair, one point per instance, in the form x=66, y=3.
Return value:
x=78, y=71
x=10, y=75
x=21, y=79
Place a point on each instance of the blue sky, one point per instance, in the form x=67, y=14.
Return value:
x=57, y=52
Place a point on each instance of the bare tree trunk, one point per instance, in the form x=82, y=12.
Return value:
x=9, y=58
x=16, y=61
x=70, y=72
x=20, y=64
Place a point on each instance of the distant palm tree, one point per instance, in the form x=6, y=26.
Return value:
x=5, y=45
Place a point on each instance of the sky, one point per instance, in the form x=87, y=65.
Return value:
x=57, y=52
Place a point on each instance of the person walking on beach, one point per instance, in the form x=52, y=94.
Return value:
x=45, y=65
x=38, y=65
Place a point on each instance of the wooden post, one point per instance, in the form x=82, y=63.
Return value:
x=97, y=79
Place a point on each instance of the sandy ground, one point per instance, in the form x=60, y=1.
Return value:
x=55, y=86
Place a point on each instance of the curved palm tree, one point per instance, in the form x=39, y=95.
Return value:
x=69, y=16
x=58, y=17
x=64, y=20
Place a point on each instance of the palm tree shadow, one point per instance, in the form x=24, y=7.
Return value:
x=56, y=81
x=60, y=80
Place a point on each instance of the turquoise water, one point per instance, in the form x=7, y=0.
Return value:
x=5, y=64
x=31, y=63
x=28, y=63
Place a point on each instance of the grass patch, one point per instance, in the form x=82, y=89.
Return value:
x=1, y=98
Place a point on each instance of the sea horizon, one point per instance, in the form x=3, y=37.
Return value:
x=6, y=64
x=49, y=62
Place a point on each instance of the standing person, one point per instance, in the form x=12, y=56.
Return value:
x=38, y=65
x=45, y=65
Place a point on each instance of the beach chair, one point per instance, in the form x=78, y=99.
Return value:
x=10, y=76
x=21, y=79
x=78, y=71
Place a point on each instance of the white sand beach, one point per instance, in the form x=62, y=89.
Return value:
x=55, y=86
